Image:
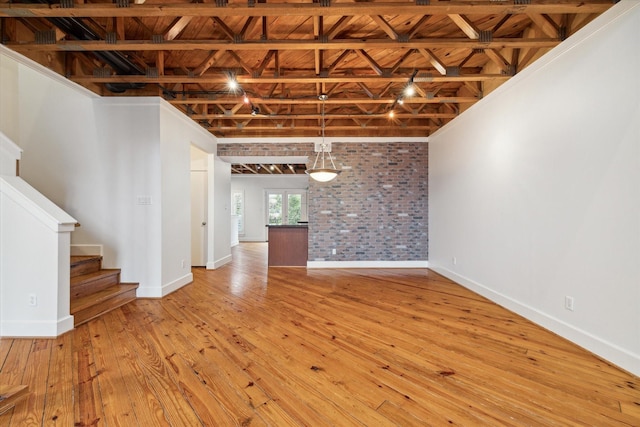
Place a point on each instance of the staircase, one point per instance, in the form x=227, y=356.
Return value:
x=10, y=395
x=94, y=290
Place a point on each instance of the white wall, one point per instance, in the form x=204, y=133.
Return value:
x=95, y=156
x=254, y=202
x=535, y=190
x=125, y=166
x=219, y=250
x=177, y=134
x=34, y=232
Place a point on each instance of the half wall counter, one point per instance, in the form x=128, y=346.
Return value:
x=288, y=245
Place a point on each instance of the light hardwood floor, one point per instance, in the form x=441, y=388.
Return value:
x=316, y=348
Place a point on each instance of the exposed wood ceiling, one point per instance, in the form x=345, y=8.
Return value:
x=268, y=169
x=285, y=53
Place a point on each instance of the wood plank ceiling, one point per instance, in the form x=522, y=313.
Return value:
x=285, y=53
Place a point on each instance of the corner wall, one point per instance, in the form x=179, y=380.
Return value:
x=120, y=166
x=535, y=191
x=219, y=213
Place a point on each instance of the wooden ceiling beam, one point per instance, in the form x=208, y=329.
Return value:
x=318, y=32
x=307, y=79
x=418, y=26
x=454, y=7
x=385, y=89
x=545, y=23
x=433, y=60
x=339, y=26
x=148, y=31
x=268, y=169
x=224, y=27
x=160, y=62
x=240, y=62
x=208, y=62
x=337, y=101
x=265, y=61
x=382, y=23
x=465, y=25
x=265, y=28
x=338, y=60
x=498, y=59
x=355, y=44
x=237, y=108
x=364, y=115
x=248, y=167
x=369, y=60
x=318, y=60
x=526, y=57
x=176, y=27
x=119, y=28
x=473, y=87
x=401, y=61
x=366, y=90
x=248, y=25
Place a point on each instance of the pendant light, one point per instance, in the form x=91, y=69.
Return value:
x=322, y=173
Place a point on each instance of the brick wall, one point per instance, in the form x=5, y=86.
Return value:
x=376, y=210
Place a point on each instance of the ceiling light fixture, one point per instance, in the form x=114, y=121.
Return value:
x=322, y=173
x=410, y=90
x=232, y=83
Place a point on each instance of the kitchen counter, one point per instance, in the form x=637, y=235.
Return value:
x=288, y=245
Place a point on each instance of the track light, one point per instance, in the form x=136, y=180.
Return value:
x=410, y=90
x=232, y=84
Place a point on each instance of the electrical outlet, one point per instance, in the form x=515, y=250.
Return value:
x=568, y=303
x=454, y=260
x=183, y=263
x=334, y=251
x=33, y=300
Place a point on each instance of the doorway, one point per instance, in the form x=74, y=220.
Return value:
x=286, y=207
x=199, y=211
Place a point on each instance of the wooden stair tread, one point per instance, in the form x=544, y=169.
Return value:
x=79, y=304
x=10, y=395
x=96, y=290
x=105, y=272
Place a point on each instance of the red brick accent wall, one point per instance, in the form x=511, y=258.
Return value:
x=376, y=210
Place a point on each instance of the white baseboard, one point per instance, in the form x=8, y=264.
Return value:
x=166, y=289
x=36, y=329
x=212, y=265
x=65, y=324
x=611, y=352
x=85, y=250
x=367, y=264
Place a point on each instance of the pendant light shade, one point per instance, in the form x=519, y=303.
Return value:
x=323, y=173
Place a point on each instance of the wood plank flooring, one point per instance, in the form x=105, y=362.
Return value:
x=313, y=348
